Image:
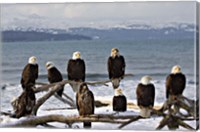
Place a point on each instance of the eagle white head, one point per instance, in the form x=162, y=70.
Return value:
x=32, y=60
x=176, y=69
x=114, y=52
x=118, y=92
x=145, y=80
x=49, y=65
x=76, y=55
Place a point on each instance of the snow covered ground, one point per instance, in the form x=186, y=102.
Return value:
x=102, y=93
x=141, y=124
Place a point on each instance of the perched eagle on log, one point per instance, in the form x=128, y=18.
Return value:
x=29, y=73
x=119, y=101
x=175, y=82
x=85, y=102
x=116, y=67
x=54, y=76
x=76, y=70
x=145, y=92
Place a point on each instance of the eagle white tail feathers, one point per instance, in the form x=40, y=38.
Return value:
x=145, y=112
x=115, y=82
x=75, y=86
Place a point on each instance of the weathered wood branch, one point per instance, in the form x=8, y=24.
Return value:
x=98, y=83
x=113, y=116
x=185, y=125
x=130, y=121
x=41, y=100
x=174, y=118
x=68, y=97
x=45, y=87
x=163, y=122
x=69, y=102
x=37, y=120
x=180, y=102
x=6, y=113
x=173, y=122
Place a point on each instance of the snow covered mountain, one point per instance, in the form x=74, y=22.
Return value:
x=122, y=32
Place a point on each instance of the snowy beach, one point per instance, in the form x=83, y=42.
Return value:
x=54, y=106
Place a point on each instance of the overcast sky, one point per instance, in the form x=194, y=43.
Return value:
x=96, y=14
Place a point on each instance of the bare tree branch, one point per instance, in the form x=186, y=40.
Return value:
x=70, y=103
x=98, y=83
x=183, y=124
x=45, y=87
x=68, y=97
x=130, y=121
x=41, y=100
x=37, y=120
x=174, y=118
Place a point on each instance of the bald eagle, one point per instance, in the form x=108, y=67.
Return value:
x=76, y=70
x=119, y=101
x=54, y=76
x=116, y=67
x=175, y=82
x=85, y=102
x=29, y=73
x=145, y=92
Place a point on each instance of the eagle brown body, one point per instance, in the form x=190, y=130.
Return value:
x=54, y=76
x=76, y=70
x=119, y=102
x=116, y=67
x=175, y=84
x=29, y=75
x=145, y=95
x=85, y=102
x=24, y=104
x=145, y=92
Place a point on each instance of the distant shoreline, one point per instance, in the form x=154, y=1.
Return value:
x=27, y=36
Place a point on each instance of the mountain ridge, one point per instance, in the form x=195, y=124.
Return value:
x=134, y=31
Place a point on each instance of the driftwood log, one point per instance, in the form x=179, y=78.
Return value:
x=172, y=115
x=45, y=86
x=38, y=120
x=51, y=90
x=56, y=87
x=41, y=100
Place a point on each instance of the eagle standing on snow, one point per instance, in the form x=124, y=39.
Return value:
x=76, y=70
x=29, y=73
x=116, y=67
x=145, y=92
x=175, y=82
x=119, y=101
x=85, y=102
x=54, y=76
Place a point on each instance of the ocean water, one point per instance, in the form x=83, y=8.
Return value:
x=143, y=57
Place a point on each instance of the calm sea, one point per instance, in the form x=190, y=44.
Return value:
x=143, y=57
